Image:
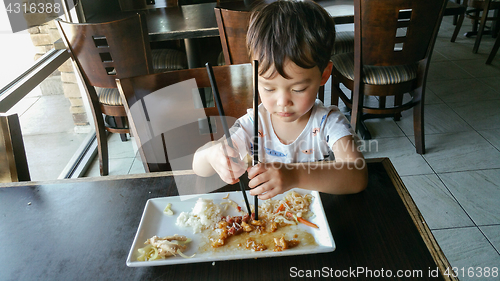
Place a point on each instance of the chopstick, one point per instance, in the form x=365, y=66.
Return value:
x=218, y=101
x=256, y=127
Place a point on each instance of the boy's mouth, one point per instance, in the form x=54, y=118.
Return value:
x=284, y=114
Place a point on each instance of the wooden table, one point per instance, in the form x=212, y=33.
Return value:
x=82, y=229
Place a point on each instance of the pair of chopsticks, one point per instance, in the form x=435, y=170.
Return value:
x=218, y=101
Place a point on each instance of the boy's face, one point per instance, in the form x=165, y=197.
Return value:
x=291, y=100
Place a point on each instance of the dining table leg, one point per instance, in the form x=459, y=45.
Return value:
x=192, y=52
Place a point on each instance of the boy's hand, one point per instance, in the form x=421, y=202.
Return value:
x=229, y=167
x=270, y=179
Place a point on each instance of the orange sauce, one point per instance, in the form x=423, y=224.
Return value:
x=238, y=242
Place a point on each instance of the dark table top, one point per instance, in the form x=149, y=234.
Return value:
x=83, y=229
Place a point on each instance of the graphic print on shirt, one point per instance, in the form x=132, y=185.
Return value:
x=308, y=151
x=261, y=134
x=322, y=120
x=315, y=131
x=273, y=152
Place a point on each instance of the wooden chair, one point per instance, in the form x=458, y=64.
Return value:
x=167, y=119
x=13, y=163
x=478, y=12
x=233, y=26
x=103, y=52
x=391, y=57
x=456, y=10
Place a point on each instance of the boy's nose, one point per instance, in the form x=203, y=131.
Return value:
x=283, y=99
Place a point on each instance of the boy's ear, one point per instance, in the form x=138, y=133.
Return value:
x=326, y=73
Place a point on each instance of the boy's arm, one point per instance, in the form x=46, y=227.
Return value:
x=201, y=165
x=348, y=174
x=211, y=158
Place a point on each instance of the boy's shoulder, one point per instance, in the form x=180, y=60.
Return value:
x=323, y=113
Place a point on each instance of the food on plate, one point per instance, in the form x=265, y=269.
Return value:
x=222, y=232
x=281, y=244
x=293, y=208
x=290, y=210
x=162, y=247
x=168, y=211
x=204, y=215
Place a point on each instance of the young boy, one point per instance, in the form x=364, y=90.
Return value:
x=292, y=41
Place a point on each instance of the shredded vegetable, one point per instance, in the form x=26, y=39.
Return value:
x=162, y=247
x=167, y=211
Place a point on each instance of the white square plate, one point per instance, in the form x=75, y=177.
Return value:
x=155, y=222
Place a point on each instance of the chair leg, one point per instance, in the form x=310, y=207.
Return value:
x=102, y=144
x=398, y=101
x=494, y=50
x=120, y=123
x=484, y=16
x=418, y=127
x=357, y=107
x=457, y=27
x=363, y=130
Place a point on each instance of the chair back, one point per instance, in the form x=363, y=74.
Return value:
x=233, y=26
x=106, y=51
x=396, y=32
x=13, y=163
x=168, y=119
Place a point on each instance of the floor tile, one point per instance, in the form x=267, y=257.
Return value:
x=478, y=192
x=460, y=49
x=460, y=152
x=400, y=151
x=492, y=136
x=137, y=166
x=435, y=202
x=492, y=233
x=470, y=90
x=494, y=83
x=50, y=114
x=467, y=248
x=23, y=105
x=482, y=115
x=446, y=70
x=118, y=148
x=57, y=149
x=437, y=57
x=438, y=119
x=478, y=68
x=117, y=166
x=383, y=128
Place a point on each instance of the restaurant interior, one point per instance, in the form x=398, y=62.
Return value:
x=455, y=183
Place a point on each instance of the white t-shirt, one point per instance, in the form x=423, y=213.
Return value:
x=326, y=125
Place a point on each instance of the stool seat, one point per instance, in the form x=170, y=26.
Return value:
x=344, y=42
x=168, y=60
x=375, y=75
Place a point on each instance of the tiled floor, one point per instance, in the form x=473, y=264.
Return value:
x=456, y=184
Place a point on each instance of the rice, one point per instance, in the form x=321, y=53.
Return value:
x=205, y=214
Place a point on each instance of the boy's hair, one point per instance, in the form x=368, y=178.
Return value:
x=301, y=31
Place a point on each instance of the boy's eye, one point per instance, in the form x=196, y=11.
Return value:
x=268, y=89
x=299, y=90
